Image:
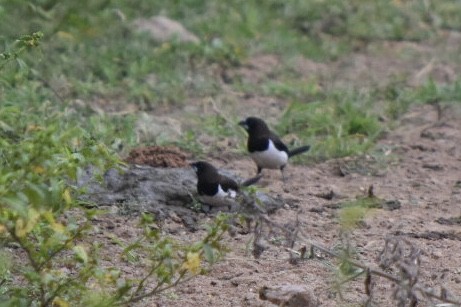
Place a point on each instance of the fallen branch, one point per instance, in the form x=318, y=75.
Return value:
x=259, y=215
x=425, y=291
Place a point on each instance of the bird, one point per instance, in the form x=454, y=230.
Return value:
x=265, y=147
x=215, y=189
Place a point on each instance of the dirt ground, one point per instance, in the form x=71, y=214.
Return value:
x=423, y=175
x=418, y=164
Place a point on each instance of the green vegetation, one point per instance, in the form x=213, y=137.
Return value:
x=343, y=126
x=91, y=63
x=74, y=74
x=42, y=150
x=353, y=212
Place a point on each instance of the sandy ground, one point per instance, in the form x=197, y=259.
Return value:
x=422, y=173
x=416, y=165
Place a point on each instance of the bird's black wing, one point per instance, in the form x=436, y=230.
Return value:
x=258, y=143
x=228, y=184
x=207, y=188
x=278, y=143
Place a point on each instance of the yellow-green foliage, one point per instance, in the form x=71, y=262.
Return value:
x=57, y=262
x=355, y=211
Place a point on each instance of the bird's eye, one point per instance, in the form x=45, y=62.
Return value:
x=194, y=166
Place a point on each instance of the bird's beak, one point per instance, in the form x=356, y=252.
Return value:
x=243, y=124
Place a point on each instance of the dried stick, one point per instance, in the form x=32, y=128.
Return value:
x=427, y=292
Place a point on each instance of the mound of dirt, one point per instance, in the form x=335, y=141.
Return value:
x=158, y=156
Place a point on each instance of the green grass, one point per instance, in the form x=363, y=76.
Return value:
x=75, y=76
x=396, y=98
x=66, y=92
x=353, y=212
x=86, y=59
x=338, y=125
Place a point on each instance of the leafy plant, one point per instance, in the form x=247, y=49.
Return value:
x=353, y=212
x=22, y=44
x=43, y=149
x=169, y=263
x=40, y=162
x=337, y=126
x=40, y=215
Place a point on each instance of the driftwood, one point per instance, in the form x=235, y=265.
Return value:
x=160, y=191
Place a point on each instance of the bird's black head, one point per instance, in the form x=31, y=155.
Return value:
x=202, y=167
x=253, y=124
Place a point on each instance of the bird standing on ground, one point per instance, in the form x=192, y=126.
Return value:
x=265, y=147
x=215, y=189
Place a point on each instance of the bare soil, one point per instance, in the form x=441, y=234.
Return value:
x=417, y=165
x=157, y=156
x=422, y=172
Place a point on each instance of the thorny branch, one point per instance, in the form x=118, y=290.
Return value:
x=371, y=271
x=408, y=266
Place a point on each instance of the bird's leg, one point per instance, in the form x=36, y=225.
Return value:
x=283, y=174
x=259, y=169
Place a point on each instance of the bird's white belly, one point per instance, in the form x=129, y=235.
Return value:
x=222, y=198
x=271, y=158
x=223, y=194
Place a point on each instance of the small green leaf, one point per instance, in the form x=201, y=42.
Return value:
x=80, y=253
x=35, y=193
x=146, y=219
x=209, y=254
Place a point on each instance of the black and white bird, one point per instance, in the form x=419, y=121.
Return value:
x=215, y=189
x=265, y=147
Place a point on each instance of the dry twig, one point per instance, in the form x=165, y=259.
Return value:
x=396, y=252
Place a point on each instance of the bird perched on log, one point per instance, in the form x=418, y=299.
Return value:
x=265, y=147
x=215, y=189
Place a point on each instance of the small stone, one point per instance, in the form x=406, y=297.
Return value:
x=437, y=254
x=434, y=167
x=288, y=296
x=164, y=29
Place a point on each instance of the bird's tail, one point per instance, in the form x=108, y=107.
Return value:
x=298, y=150
x=251, y=181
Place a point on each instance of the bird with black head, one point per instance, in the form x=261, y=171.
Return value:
x=266, y=149
x=215, y=189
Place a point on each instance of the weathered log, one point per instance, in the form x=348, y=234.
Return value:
x=155, y=190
